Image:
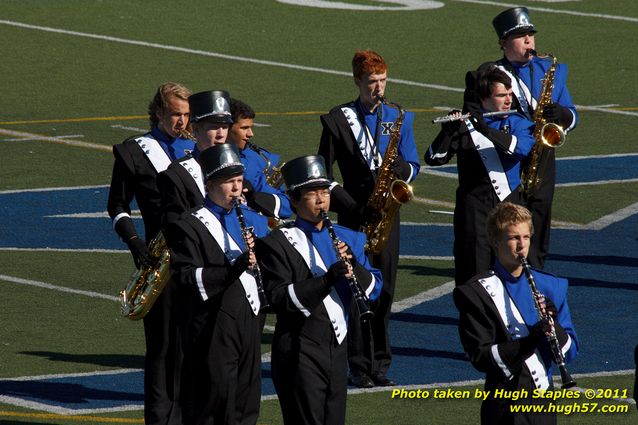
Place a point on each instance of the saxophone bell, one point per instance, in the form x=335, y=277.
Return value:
x=147, y=283
x=552, y=135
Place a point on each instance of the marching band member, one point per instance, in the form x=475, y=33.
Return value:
x=489, y=152
x=261, y=195
x=500, y=328
x=516, y=35
x=218, y=298
x=182, y=184
x=138, y=160
x=306, y=284
x=356, y=136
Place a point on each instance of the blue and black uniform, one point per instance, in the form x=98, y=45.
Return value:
x=219, y=315
x=269, y=200
x=489, y=172
x=309, y=351
x=526, y=85
x=496, y=326
x=357, y=139
x=138, y=161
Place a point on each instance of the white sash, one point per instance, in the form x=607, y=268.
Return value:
x=487, y=151
x=364, y=139
x=317, y=267
x=154, y=152
x=195, y=170
x=521, y=91
x=232, y=251
x=513, y=320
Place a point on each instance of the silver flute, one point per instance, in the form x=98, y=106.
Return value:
x=448, y=118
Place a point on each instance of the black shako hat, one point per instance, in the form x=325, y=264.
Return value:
x=213, y=105
x=305, y=172
x=221, y=161
x=513, y=21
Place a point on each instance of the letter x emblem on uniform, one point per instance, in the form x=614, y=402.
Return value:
x=387, y=127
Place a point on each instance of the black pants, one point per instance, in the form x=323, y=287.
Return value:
x=310, y=379
x=539, y=202
x=472, y=251
x=369, y=349
x=161, y=362
x=221, y=382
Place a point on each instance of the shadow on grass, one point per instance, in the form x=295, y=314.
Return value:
x=64, y=393
x=424, y=352
x=108, y=360
x=610, y=260
x=424, y=318
x=427, y=271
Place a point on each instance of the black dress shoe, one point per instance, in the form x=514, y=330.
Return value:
x=361, y=380
x=382, y=381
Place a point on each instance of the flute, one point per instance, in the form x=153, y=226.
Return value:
x=359, y=296
x=557, y=354
x=255, y=270
x=447, y=118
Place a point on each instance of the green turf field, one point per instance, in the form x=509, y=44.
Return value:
x=78, y=75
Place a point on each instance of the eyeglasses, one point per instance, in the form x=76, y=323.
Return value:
x=319, y=193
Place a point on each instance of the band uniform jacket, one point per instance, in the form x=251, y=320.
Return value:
x=220, y=332
x=135, y=177
x=528, y=77
x=488, y=172
x=497, y=348
x=309, y=360
x=338, y=144
x=182, y=188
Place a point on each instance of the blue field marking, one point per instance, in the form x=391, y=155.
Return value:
x=580, y=169
x=28, y=220
x=601, y=265
x=78, y=393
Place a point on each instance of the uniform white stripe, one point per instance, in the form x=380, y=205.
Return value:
x=295, y=300
x=499, y=362
x=199, y=273
x=117, y=217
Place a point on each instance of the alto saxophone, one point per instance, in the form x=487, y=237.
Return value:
x=147, y=283
x=272, y=172
x=548, y=135
x=389, y=192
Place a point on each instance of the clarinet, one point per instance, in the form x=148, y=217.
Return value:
x=557, y=354
x=256, y=272
x=359, y=296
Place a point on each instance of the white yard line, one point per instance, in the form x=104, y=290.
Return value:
x=45, y=285
x=59, y=140
x=558, y=11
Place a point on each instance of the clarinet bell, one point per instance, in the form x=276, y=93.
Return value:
x=567, y=380
x=365, y=314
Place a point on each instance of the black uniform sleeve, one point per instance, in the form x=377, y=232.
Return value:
x=122, y=189
x=479, y=336
x=443, y=148
x=173, y=193
x=341, y=201
x=287, y=290
x=194, y=263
